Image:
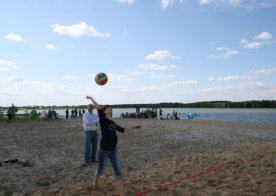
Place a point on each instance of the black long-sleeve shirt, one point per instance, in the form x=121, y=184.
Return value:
x=108, y=128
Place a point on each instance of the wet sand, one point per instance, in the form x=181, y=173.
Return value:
x=165, y=157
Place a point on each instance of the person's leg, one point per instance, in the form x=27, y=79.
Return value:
x=87, y=147
x=102, y=157
x=94, y=146
x=115, y=162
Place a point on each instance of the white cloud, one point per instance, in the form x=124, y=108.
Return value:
x=246, y=4
x=146, y=90
x=161, y=76
x=226, y=52
x=129, y=2
x=263, y=36
x=7, y=65
x=257, y=41
x=69, y=77
x=50, y=46
x=78, y=30
x=156, y=67
x=160, y=55
x=222, y=48
x=214, y=89
x=11, y=79
x=133, y=73
x=14, y=37
x=166, y=3
x=230, y=53
x=10, y=91
x=261, y=72
x=248, y=76
x=229, y=78
x=121, y=77
x=186, y=82
x=243, y=41
x=203, y=2
x=234, y=2
x=253, y=45
x=254, y=85
x=25, y=83
x=212, y=56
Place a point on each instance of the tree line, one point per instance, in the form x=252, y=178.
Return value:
x=204, y=104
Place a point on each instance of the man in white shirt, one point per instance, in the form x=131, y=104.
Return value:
x=90, y=123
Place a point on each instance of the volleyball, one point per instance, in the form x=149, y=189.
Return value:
x=101, y=79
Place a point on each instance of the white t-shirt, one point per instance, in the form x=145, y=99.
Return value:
x=90, y=121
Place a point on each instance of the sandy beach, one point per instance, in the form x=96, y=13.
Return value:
x=165, y=157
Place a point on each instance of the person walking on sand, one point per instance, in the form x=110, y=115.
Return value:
x=90, y=123
x=108, y=144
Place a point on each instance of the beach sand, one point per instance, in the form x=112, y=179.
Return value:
x=164, y=157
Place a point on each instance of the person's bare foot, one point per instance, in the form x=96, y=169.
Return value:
x=95, y=182
x=120, y=188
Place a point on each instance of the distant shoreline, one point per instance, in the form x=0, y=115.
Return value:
x=204, y=104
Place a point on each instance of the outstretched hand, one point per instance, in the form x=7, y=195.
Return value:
x=96, y=105
x=133, y=127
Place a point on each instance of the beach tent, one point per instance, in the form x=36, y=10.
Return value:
x=190, y=115
x=43, y=114
x=33, y=114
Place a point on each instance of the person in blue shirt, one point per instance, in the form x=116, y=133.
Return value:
x=108, y=144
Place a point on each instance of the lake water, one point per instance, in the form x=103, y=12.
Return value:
x=246, y=115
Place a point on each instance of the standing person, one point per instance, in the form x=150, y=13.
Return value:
x=67, y=114
x=72, y=113
x=90, y=123
x=108, y=144
x=160, y=112
x=76, y=113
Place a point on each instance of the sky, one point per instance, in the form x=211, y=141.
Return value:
x=152, y=51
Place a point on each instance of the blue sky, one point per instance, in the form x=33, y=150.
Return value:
x=151, y=50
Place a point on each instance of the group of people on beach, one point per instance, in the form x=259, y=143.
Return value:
x=107, y=148
x=75, y=113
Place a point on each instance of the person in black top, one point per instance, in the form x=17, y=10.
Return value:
x=67, y=114
x=108, y=144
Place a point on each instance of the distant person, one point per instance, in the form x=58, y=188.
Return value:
x=108, y=144
x=54, y=114
x=1, y=116
x=76, y=113
x=80, y=114
x=72, y=113
x=90, y=123
x=50, y=114
x=160, y=112
x=9, y=113
x=67, y=114
x=176, y=116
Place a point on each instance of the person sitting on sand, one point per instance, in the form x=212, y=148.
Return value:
x=108, y=144
x=90, y=123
